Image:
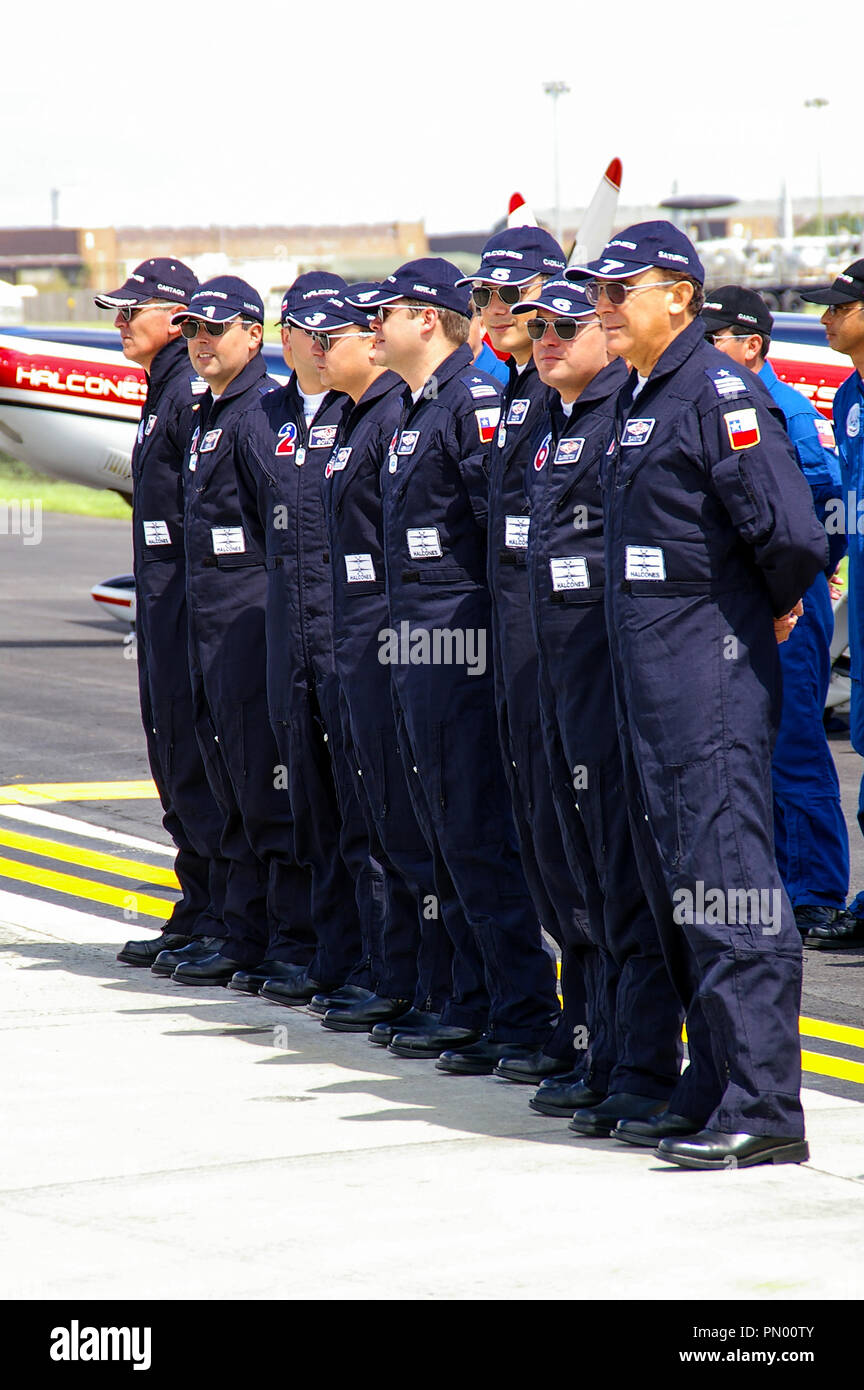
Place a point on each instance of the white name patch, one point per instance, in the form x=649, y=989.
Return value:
x=517, y=412
x=228, y=540
x=516, y=532
x=424, y=542
x=359, y=568
x=637, y=432
x=644, y=562
x=151, y=421
x=569, y=572
x=569, y=450
x=156, y=533
x=407, y=441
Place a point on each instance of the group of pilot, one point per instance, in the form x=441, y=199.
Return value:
x=437, y=668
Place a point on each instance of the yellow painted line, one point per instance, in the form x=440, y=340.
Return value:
x=833, y=1066
x=832, y=1032
x=88, y=858
x=137, y=904
x=38, y=793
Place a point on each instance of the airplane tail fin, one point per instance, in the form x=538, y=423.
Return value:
x=518, y=212
x=596, y=228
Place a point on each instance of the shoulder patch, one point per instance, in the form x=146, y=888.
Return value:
x=479, y=388
x=825, y=431
x=742, y=427
x=726, y=383
x=487, y=422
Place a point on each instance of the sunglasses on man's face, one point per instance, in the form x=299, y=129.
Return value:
x=128, y=311
x=189, y=327
x=508, y=294
x=325, y=341
x=566, y=329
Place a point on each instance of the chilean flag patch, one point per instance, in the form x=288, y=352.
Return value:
x=487, y=423
x=742, y=426
x=825, y=431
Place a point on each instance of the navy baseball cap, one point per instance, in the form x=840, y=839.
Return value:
x=337, y=311
x=162, y=278
x=846, y=289
x=221, y=299
x=558, y=297
x=306, y=291
x=731, y=306
x=516, y=255
x=644, y=246
x=430, y=280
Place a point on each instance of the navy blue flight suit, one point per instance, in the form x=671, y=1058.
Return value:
x=639, y=1012
x=559, y=903
x=710, y=532
x=810, y=835
x=435, y=489
x=331, y=837
x=267, y=896
x=415, y=949
x=192, y=816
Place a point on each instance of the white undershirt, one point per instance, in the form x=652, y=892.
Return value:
x=639, y=384
x=567, y=407
x=311, y=404
x=415, y=395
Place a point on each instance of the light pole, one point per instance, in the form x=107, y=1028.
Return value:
x=556, y=90
x=816, y=104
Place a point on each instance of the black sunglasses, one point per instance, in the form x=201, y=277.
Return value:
x=566, y=329
x=189, y=327
x=508, y=294
x=128, y=311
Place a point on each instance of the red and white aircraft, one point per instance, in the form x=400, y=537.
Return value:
x=70, y=401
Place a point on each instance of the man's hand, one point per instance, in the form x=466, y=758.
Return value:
x=783, y=626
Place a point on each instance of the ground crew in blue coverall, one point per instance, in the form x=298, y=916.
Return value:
x=435, y=484
x=414, y=947
x=267, y=894
x=330, y=832
x=640, y=1012
x=192, y=818
x=514, y=265
x=711, y=539
x=844, y=325
x=810, y=835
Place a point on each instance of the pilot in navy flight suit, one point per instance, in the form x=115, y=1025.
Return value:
x=435, y=487
x=192, y=817
x=711, y=539
x=414, y=950
x=331, y=836
x=638, y=1014
x=810, y=835
x=514, y=264
x=267, y=894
